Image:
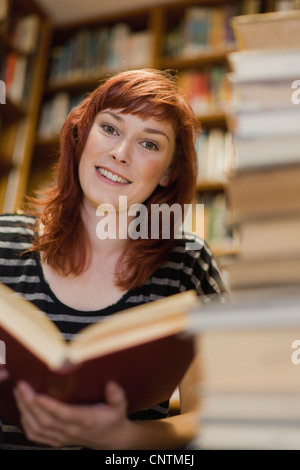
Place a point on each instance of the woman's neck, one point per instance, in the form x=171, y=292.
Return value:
x=107, y=233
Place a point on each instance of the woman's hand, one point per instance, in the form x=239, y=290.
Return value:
x=50, y=422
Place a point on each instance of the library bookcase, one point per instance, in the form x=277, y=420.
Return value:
x=189, y=38
x=25, y=42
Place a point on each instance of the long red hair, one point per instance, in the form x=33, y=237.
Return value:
x=146, y=93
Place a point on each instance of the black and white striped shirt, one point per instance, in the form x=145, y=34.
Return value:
x=184, y=270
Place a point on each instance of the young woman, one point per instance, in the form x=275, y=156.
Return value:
x=132, y=138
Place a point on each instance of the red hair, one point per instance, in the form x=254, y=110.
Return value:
x=146, y=93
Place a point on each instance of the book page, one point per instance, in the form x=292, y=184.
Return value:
x=134, y=326
x=30, y=326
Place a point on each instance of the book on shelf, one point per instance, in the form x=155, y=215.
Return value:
x=215, y=154
x=195, y=30
x=216, y=229
x=8, y=68
x=196, y=87
x=208, y=92
x=220, y=89
x=270, y=191
x=119, y=46
x=251, y=7
x=249, y=392
x=267, y=31
x=211, y=223
x=54, y=113
x=201, y=29
x=15, y=75
x=25, y=34
x=270, y=237
x=217, y=28
x=140, y=47
x=286, y=5
x=205, y=28
x=4, y=16
x=4, y=10
x=2, y=95
x=93, y=52
x=219, y=155
x=126, y=347
x=16, y=88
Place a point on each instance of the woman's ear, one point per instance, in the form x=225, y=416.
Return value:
x=165, y=179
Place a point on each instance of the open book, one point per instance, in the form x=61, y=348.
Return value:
x=144, y=349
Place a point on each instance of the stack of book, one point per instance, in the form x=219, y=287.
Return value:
x=263, y=191
x=249, y=391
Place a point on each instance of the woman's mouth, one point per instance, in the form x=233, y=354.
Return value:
x=112, y=176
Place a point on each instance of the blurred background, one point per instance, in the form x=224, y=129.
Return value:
x=54, y=52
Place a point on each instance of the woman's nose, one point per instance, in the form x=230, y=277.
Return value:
x=121, y=152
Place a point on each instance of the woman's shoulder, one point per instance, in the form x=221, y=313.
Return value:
x=192, y=246
x=17, y=219
x=199, y=269
x=16, y=227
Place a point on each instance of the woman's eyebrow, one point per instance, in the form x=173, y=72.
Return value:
x=114, y=115
x=155, y=131
x=148, y=130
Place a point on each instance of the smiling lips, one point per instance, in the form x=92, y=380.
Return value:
x=111, y=176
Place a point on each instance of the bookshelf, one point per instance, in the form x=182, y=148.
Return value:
x=65, y=78
x=24, y=35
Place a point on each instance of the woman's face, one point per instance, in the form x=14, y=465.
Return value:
x=125, y=155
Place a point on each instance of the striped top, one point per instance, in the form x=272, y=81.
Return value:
x=185, y=269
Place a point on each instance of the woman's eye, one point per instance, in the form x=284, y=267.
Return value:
x=109, y=129
x=149, y=145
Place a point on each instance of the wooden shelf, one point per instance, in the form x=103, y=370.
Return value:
x=214, y=118
x=220, y=251
x=12, y=111
x=47, y=142
x=210, y=186
x=206, y=57
x=74, y=86
x=5, y=41
x=5, y=164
